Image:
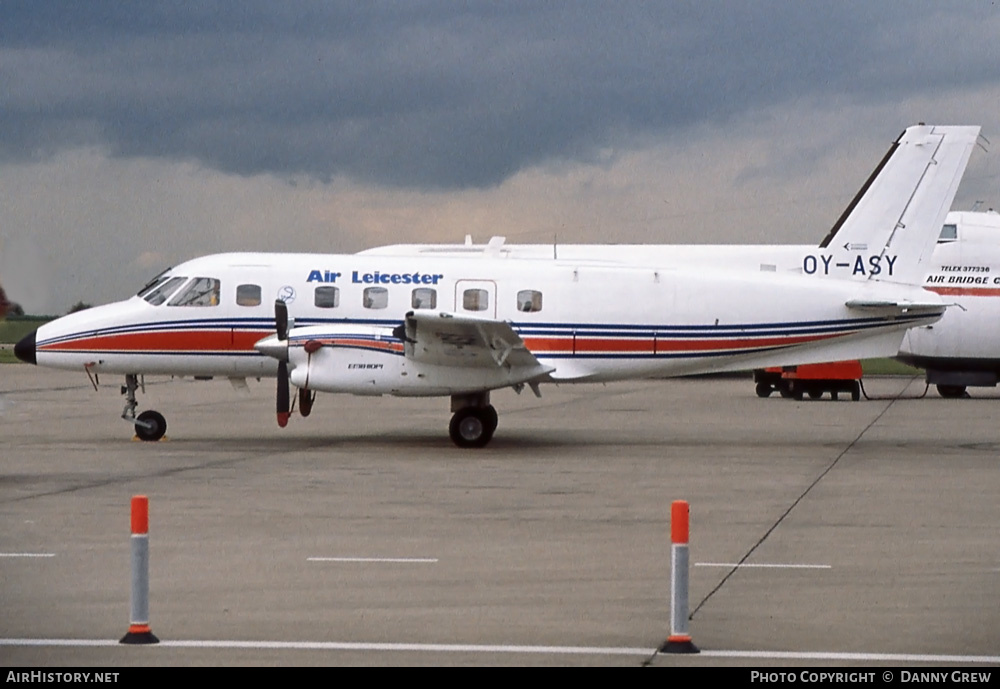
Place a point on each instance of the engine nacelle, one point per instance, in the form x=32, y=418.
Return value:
x=370, y=360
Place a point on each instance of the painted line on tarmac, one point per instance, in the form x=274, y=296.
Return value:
x=345, y=646
x=482, y=648
x=27, y=554
x=417, y=560
x=736, y=565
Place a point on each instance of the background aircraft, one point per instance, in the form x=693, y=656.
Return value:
x=963, y=348
x=460, y=321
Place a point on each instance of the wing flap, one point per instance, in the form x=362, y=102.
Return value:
x=450, y=339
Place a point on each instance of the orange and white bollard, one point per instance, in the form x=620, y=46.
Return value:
x=679, y=640
x=139, y=631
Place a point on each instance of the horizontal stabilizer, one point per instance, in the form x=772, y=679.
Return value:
x=902, y=306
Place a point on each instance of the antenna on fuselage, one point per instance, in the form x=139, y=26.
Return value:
x=495, y=245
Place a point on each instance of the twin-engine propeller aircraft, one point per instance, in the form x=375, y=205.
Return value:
x=463, y=320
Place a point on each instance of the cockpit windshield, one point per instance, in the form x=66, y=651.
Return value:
x=159, y=279
x=159, y=291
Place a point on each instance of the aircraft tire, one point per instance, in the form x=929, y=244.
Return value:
x=473, y=426
x=153, y=426
x=492, y=417
x=951, y=391
x=816, y=394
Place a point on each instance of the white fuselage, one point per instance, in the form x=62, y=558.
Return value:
x=673, y=311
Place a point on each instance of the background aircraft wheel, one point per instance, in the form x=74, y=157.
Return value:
x=473, y=426
x=816, y=394
x=855, y=391
x=763, y=389
x=951, y=391
x=153, y=425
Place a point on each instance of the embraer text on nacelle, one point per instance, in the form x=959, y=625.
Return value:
x=825, y=265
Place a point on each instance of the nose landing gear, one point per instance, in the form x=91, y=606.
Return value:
x=149, y=425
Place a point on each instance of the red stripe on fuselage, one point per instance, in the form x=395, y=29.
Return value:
x=161, y=341
x=598, y=345
x=965, y=291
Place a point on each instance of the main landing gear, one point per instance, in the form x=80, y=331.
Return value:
x=149, y=425
x=474, y=421
x=952, y=391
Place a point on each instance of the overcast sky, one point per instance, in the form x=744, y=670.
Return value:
x=134, y=136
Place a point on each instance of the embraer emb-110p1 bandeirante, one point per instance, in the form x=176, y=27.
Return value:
x=463, y=320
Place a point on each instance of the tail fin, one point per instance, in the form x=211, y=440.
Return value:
x=889, y=230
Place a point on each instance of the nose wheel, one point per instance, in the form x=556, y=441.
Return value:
x=473, y=426
x=149, y=425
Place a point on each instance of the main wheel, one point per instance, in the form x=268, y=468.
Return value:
x=150, y=425
x=473, y=426
x=951, y=391
x=492, y=418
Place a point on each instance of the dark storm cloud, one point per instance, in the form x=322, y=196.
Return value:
x=444, y=95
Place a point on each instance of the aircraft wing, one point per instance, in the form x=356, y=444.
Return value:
x=450, y=339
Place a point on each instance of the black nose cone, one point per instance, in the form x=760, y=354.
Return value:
x=25, y=349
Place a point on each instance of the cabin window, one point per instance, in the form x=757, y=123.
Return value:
x=376, y=298
x=248, y=295
x=475, y=300
x=199, y=292
x=158, y=293
x=949, y=233
x=529, y=300
x=424, y=298
x=327, y=297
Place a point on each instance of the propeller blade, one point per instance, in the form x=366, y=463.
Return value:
x=283, y=396
x=281, y=319
x=306, y=399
